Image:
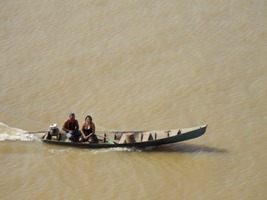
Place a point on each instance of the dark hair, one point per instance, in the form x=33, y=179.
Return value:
x=89, y=117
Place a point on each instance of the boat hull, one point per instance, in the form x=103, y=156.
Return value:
x=154, y=138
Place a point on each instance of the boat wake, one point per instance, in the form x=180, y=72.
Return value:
x=10, y=133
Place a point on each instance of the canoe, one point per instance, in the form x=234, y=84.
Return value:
x=138, y=139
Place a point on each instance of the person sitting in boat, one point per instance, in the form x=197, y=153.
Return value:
x=88, y=131
x=71, y=127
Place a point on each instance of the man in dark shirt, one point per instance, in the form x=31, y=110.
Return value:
x=71, y=127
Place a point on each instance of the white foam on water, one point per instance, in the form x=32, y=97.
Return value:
x=10, y=133
x=91, y=151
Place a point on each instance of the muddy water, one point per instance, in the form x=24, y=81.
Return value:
x=132, y=66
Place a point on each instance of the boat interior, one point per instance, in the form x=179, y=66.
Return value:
x=119, y=137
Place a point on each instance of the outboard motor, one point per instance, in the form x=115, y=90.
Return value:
x=53, y=131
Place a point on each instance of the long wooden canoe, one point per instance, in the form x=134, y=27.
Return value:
x=113, y=139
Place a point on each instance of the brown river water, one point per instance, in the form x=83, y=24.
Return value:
x=135, y=65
